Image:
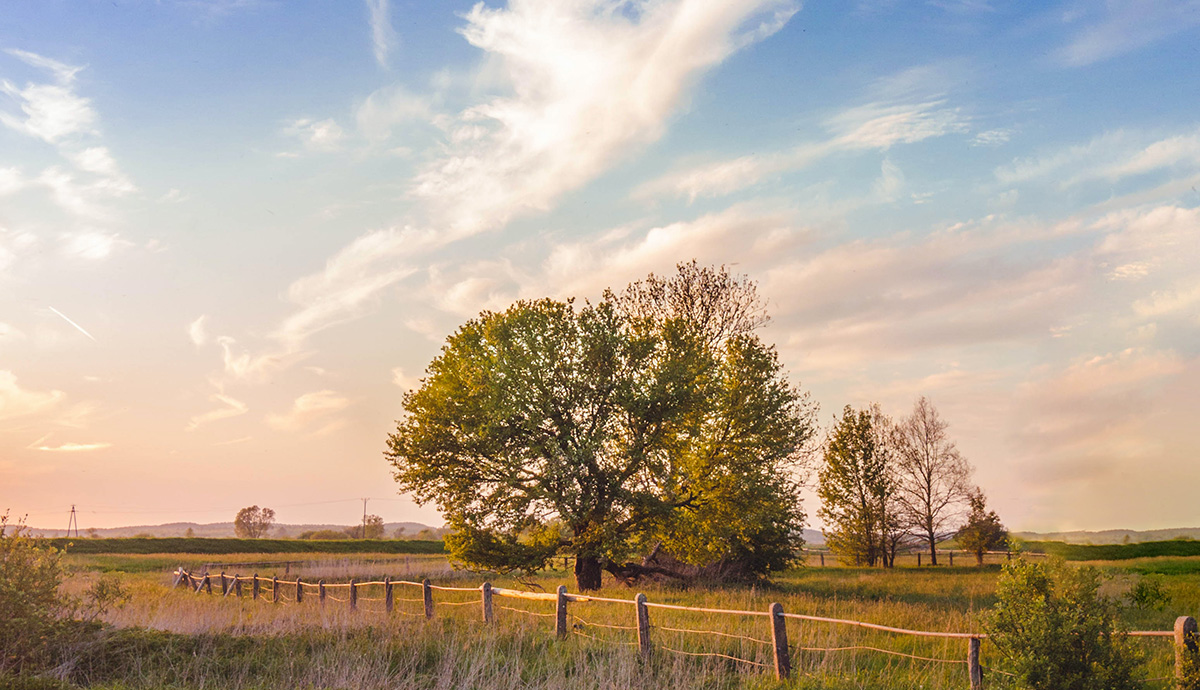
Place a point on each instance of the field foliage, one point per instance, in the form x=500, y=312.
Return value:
x=183, y=639
x=1115, y=552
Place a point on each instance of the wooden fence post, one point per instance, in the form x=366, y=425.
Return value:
x=1185, y=643
x=178, y=577
x=207, y=583
x=427, y=593
x=951, y=558
x=560, y=612
x=822, y=560
x=353, y=594
x=299, y=590
x=783, y=662
x=229, y=587
x=224, y=584
x=918, y=559
x=643, y=626
x=237, y=586
x=973, y=667
x=274, y=589
x=486, y=589
x=254, y=588
x=321, y=591
x=388, y=601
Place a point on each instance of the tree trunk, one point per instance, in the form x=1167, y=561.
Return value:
x=979, y=557
x=932, y=549
x=587, y=573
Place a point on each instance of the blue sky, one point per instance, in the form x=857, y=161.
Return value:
x=233, y=232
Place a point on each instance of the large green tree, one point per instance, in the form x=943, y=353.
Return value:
x=610, y=431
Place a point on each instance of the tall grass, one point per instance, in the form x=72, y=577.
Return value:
x=199, y=641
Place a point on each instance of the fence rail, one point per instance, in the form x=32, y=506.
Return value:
x=1184, y=633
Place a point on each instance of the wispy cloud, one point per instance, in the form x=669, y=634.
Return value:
x=874, y=126
x=18, y=402
x=72, y=447
x=309, y=411
x=1110, y=156
x=230, y=407
x=383, y=36
x=1116, y=27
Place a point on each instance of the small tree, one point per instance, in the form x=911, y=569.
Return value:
x=253, y=522
x=983, y=531
x=1058, y=632
x=372, y=528
x=855, y=487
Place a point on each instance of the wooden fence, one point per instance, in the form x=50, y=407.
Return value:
x=1185, y=632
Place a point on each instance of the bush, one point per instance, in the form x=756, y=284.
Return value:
x=1058, y=632
x=30, y=606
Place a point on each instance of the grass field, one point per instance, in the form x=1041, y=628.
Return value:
x=181, y=639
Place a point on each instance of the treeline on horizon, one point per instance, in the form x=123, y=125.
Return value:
x=224, y=545
x=1180, y=547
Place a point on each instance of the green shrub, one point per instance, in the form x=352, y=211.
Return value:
x=1149, y=593
x=30, y=605
x=1057, y=632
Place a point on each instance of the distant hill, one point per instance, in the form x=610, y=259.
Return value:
x=225, y=529
x=1112, y=536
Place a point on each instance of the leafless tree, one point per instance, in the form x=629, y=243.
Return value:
x=932, y=476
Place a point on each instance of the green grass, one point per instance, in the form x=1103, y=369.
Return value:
x=1115, y=552
x=196, y=545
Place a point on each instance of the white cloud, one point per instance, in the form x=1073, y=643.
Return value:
x=316, y=135
x=197, y=332
x=1127, y=25
x=388, y=108
x=11, y=181
x=589, y=82
x=50, y=112
x=90, y=245
x=403, y=380
x=230, y=407
x=18, y=402
x=992, y=137
x=307, y=410
x=99, y=161
x=383, y=36
x=72, y=447
x=8, y=332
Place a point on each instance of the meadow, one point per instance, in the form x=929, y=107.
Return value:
x=177, y=638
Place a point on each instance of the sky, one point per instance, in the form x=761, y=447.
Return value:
x=234, y=232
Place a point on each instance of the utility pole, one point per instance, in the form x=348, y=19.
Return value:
x=73, y=523
x=364, y=529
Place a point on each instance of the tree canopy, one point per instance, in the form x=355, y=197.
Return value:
x=627, y=428
x=253, y=522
